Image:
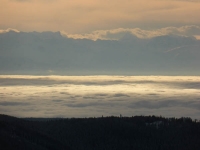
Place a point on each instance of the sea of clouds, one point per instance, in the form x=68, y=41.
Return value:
x=94, y=96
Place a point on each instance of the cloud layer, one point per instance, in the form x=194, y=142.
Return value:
x=9, y=30
x=89, y=96
x=120, y=33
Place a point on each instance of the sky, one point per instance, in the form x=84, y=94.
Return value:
x=106, y=20
x=79, y=17
x=178, y=21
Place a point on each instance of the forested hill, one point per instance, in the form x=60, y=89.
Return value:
x=110, y=133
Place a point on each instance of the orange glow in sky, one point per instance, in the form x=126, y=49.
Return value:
x=78, y=16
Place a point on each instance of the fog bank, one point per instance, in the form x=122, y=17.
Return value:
x=94, y=96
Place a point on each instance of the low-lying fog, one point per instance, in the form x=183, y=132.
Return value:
x=94, y=96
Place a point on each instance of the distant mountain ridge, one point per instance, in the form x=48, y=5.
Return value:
x=51, y=53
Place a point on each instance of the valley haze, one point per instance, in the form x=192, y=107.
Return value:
x=94, y=96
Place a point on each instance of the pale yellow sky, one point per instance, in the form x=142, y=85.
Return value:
x=84, y=16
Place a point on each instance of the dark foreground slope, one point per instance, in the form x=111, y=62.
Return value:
x=139, y=132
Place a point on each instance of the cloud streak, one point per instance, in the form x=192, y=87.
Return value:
x=9, y=30
x=120, y=33
x=117, y=34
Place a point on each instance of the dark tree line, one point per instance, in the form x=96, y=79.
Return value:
x=106, y=133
